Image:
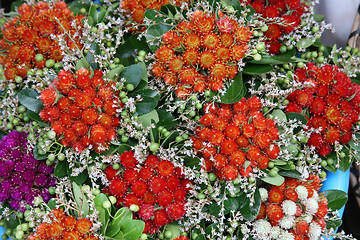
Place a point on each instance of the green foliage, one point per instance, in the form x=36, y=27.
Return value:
x=235, y=91
x=336, y=199
x=30, y=99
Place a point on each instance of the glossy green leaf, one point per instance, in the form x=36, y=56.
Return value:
x=93, y=14
x=233, y=3
x=60, y=170
x=52, y=203
x=192, y=162
x=119, y=236
x=80, y=200
x=122, y=216
x=235, y=92
x=112, y=229
x=255, y=69
x=279, y=114
x=231, y=204
x=305, y=43
x=336, y=198
x=133, y=229
x=169, y=139
x=145, y=93
x=166, y=119
x=213, y=208
x=12, y=221
x=127, y=50
x=153, y=34
x=132, y=74
x=79, y=179
x=115, y=72
x=277, y=180
x=290, y=173
x=318, y=17
x=103, y=213
x=212, y=227
x=37, y=156
x=334, y=224
x=82, y=63
x=155, y=15
x=345, y=162
x=30, y=99
x=147, y=118
x=101, y=14
x=277, y=59
x=77, y=5
x=299, y=117
x=249, y=212
x=36, y=117
x=147, y=104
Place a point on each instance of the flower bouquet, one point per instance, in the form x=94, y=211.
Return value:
x=212, y=119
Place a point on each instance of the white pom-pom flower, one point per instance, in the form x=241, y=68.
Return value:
x=302, y=192
x=262, y=227
x=285, y=235
x=311, y=206
x=275, y=232
x=315, y=195
x=314, y=231
x=287, y=222
x=263, y=194
x=289, y=207
x=308, y=218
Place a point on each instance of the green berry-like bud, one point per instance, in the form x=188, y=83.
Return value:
x=323, y=163
x=94, y=30
x=48, y=162
x=106, y=204
x=257, y=57
x=134, y=207
x=178, y=138
x=154, y=146
x=300, y=64
x=19, y=234
x=212, y=177
x=19, y=128
x=96, y=191
x=82, y=11
x=201, y=196
x=124, y=139
x=320, y=59
x=52, y=190
x=314, y=54
x=51, y=157
x=50, y=63
x=192, y=113
x=314, y=29
x=168, y=234
x=143, y=236
x=39, y=57
x=112, y=66
x=198, y=106
x=129, y=87
x=264, y=28
x=273, y=172
x=116, y=166
x=283, y=49
x=18, y=79
x=207, y=93
x=112, y=199
x=322, y=174
x=342, y=154
x=330, y=161
x=9, y=126
x=61, y=157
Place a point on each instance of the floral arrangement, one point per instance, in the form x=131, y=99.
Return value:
x=173, y=120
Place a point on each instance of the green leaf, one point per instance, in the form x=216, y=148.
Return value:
x=255, y=69
x=127, y=50
x=231, y=204
x=174, y=228
x=103, y=213
x=60, y=170
x=132, y=74
x=13, y=221
x=119, y=236
x=112, y=229
x=80, y=199
x=279, y=114
x=214, y=209
x=233, y=3
x=305, y=42
x=212, y=227
x=52, y=203
x=336, y=198
x=145, y=93
x=133, y=229
x=79, y=179
x=299, y=117
x=155, y=15
x=277, y=180
x=101, y=14
x=290, y=173
x=147, y=118
x=166, y=119
x=345, y=162
x=30, y=99
x=122, y=216
x=318, y=17
x=93, y=14
x=115, y=72
x=334, y=224
x=75, y=6
x=36, y=117
x=277, y=59
x=154, y=33
x=82, y=63
x=169, y=139
x=235, y=92
x=249, y=212
x=192, y=162
x=147, y=104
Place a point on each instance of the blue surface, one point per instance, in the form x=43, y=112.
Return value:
x=340, y=181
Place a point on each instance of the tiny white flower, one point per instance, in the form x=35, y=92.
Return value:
x=287, y=222
x=314, y=231
x=263, y=194
x=311, y=206
x=308, y=218
x=262, y=227
x=289, y=207
x=302, y=192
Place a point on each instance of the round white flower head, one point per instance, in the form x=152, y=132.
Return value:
x=289, y=207
x=275, y=232
x=285, y=235
x=314, y=231
x=302, y=192
x=315, y=195
x=287, y=222
x=308, y=218
x=262, y=228
x=311, y=206
x=263, y=194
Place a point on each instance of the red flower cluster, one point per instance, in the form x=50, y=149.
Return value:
x=333, y=103
x=85, y=113
x=235, y=138
x=29, y=34
x=289, y=11
x=158, y=188
x=201, y=54
x=64, y=226
x=287, y=200
x=137, y=8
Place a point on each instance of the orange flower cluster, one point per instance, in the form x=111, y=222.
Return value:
x=235, y=138
x=289, y=204
x=85, y=113
x=158, y=188
x=137, y=8
x=333, y=103
x=201, y=54
x=64, y=226
x=29, y=34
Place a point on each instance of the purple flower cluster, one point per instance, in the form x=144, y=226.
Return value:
x=22, y=177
